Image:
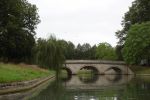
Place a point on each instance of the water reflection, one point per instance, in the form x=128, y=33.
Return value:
x=87, y=79
x=97, y=81
x=103, y=88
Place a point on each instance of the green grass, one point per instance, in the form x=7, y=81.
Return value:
x=140, y=69
x=15, y=73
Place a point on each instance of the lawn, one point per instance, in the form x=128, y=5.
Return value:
x=22, y=72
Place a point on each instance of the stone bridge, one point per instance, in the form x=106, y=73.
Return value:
x=100, y=67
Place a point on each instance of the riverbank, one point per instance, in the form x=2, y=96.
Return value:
x=16, y=73
x=22, y=77
x=25, y=95
x=140, y=70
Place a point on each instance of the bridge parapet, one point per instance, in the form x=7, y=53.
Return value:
x=94, y=62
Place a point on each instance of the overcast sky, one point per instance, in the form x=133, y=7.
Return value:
x=81, y=21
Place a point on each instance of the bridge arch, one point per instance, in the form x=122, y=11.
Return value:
x=90, y=67
x=113, y=70
x=69, y=74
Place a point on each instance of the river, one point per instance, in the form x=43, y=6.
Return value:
x=104, y=87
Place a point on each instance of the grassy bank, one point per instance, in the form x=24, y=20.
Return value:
x=22, y=72
x=140, y=69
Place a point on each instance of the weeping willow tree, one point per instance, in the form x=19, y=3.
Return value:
x=49, y=54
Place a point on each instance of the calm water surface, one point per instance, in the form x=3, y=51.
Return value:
x=106, y=87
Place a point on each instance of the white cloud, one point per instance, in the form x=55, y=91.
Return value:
x=80, y=21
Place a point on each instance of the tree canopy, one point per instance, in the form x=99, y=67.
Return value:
x=49, y=53
x=85, y=51
x=137, y=45
x=18, y=20
x=139, y=12
x=105, y=51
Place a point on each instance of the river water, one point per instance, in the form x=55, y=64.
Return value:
x=105, y=87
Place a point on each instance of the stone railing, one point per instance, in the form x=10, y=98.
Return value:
x=94, y=62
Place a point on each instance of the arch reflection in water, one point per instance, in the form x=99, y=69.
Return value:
x=99, y=81
x=88, y=74
x=88, y=79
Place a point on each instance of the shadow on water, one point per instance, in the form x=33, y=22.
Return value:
x=105, y=87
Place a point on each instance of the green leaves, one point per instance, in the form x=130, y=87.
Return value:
x=137, y=44
x=49, y=53
x=139, y=12
x=105, y=51
x=18, y=20
x=85, y=51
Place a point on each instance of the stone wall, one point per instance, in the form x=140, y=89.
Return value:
x=6, y=88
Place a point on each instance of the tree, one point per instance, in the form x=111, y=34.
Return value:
x=118, y=50
x=105, y=51
x=67, y=48
x=18, y=20
x=64, y=45
x=92, y=52
x=84, y=51
x=49, y=53
x=71, y=51
x=138, y=13
x=137, y=45
x=78, y=52
x=86, y=47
